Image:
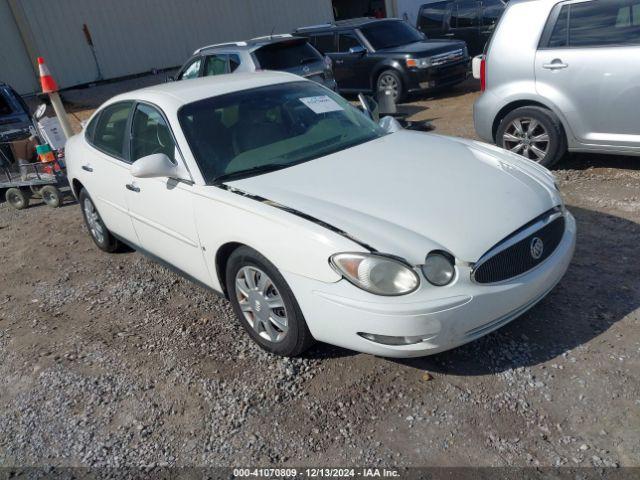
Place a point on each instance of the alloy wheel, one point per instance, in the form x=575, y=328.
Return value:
x=261, y=304
x=527, y=137
x=389, y=82
x=94, y=222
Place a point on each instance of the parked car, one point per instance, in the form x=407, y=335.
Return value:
x=371, y=54
x=15, y=118
x=572, y=84
x=315, y=222
x=274, y=52
x=470, y=20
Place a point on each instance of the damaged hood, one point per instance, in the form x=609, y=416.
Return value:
x=408, y=193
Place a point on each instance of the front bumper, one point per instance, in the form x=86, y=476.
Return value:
x=431, y=78
x=445, y=317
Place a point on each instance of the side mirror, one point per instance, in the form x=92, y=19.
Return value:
x=358, y=50
x=40, y=111
x=158, y=165
x=390, y=124
x=170, y=78
x=370, y=107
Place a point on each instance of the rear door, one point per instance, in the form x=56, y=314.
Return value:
x=105, y=171
x=588, y=65
x=432, y=19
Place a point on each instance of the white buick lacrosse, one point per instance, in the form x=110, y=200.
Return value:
x=316, y=222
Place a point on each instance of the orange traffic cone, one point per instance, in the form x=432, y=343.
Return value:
x=46, y=80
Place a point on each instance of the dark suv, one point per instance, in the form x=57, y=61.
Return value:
x=15, y=120
x=470, y=20
x=371, y=54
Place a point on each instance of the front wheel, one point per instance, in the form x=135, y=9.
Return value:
x=390, y=80
x=99, y=233
x=533, y=132
x=265, y=304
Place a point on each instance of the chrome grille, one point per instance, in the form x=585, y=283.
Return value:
x=448, y=57
x=521, y=251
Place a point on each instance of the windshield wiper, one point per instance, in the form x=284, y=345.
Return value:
x=249, y=172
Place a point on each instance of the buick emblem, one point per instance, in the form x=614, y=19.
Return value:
x=258, y=307
x=305, y=69
x=537, y=247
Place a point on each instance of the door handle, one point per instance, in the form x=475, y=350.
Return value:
x=556, y=64
x=87, y=168
x=449, y=34
x=132, y=187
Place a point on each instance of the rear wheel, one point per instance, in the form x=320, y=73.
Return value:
x=99, y=233
x=51, y=196
x=390, y=80
x=17, y=198
x=265, y=304
x=533, y=132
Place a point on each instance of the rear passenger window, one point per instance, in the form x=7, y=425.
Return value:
x=110, y=129
x=465, y=14
x=432, y=15
x=347, y=41
x=597, y=24
x=215, y=65
x=288, y=54
x=324, y=43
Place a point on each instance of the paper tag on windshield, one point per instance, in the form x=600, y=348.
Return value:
x=321, y=104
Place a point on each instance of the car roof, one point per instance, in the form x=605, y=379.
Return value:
x=173, y=95
x=350, y=23
x=250, y=45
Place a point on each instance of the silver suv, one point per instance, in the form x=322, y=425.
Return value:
x=561, y=75
x=282, y=52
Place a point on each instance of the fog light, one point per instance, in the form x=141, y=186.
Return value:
x=389, y=340
x=439, y=268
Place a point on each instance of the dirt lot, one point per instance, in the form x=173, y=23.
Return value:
x=111, y=360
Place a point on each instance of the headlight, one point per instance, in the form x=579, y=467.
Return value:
x=439, y=268
x=418, y=62
x=376, y=273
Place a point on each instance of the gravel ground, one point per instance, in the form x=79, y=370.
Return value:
x=112, y=360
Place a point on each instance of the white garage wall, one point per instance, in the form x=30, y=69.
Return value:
x=409, y=8
x=15, y=66
x=134, y=36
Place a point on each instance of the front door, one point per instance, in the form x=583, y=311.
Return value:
x=161, y=208
x=588, y=65
x=348, y=68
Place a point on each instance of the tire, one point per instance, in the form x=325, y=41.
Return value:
x=101, y=236
x=51, y=196
x=17, y=198
x=546, y=126
x=288, y=338
x=391, y=79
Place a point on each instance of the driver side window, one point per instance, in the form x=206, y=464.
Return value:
x=192, y=71
x=150, y=134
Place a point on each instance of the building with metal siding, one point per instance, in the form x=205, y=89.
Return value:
x=131, y=36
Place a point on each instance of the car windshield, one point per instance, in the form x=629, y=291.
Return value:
x=285, y=55
x=254, y=131
x=389, y=34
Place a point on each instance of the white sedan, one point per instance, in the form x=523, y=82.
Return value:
x=316, y=222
